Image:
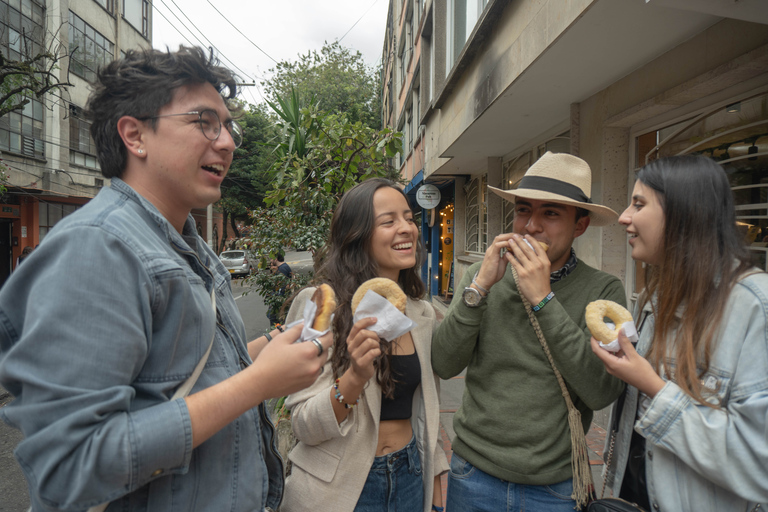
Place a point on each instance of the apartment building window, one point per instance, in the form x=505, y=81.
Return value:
x=461, y=18
x=91, y=49
x=136, y=12
x=108, y=5
x=51, y=213
x=22, y=32
x=476, y=216
x=22, y=131
x=403, y=64
x=82, y=150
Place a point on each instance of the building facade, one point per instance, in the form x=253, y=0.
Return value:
x=46, y=149
x=615, y=82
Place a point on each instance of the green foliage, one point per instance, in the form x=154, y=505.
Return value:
x=319, y=156
x=248, y=178
x=337, y=77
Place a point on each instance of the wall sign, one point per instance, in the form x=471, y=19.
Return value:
x=428, y=196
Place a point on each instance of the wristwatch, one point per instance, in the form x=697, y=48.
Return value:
x=473, y=298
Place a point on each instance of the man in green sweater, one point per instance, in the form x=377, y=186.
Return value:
x=512, y=449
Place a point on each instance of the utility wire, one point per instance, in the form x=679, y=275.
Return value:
x=246, y=37
x=174, y=26
x=358, y=21
x=209, y=43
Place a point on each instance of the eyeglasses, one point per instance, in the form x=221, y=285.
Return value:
x=210, y=125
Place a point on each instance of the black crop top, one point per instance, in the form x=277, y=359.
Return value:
x=407, y=373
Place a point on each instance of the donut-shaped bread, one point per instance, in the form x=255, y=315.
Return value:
x=544, y=245
x=325, y=299
x=387, y=288
x=595, y=314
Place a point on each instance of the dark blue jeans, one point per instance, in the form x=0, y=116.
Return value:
x=394, y=483
x=471, y=490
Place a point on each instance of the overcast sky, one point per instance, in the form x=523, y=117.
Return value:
x=283, y=29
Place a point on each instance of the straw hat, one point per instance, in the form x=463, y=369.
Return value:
x=560, y=178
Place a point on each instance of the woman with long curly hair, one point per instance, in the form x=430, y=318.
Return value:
x=368, y=429
x=691, y=432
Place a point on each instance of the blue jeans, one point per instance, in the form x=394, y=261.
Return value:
x=471, y=490
x=394, y=483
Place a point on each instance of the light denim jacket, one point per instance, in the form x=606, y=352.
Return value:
x=698, y=458
x=97, y=331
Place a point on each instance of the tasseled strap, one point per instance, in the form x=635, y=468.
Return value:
x=582, y=474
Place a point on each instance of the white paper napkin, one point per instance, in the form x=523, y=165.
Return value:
x=307, y=333
x=629, y=330
x=391, y=323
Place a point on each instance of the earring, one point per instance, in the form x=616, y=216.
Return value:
x=141, y=151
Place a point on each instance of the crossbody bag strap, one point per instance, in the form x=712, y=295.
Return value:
x=582, y=474
x=186, y=387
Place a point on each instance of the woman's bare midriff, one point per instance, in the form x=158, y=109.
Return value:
x=393, y=436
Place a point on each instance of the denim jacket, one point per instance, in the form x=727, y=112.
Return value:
x=699, y=458
x=97, y=331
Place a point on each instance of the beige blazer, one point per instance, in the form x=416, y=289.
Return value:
x=331, y=461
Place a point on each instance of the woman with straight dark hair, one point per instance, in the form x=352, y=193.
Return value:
x=691, y=433
x=368, y=429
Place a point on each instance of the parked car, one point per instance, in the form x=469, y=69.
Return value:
x=236, y=262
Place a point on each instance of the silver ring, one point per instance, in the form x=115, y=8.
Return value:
x=318, y=345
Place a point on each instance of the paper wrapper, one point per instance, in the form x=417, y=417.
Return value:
x=307, y=333
x=391, y=323
x=629, y=330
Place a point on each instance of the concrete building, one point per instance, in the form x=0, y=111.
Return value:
x=46, y=150
x=483, y=88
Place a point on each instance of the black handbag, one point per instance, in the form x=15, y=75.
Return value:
x=613, y=505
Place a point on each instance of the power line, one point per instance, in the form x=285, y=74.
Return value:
x=209, y=43
x=246, y=37
x=358, y=21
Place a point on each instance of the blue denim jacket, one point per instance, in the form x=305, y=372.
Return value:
x=97, y=331
x=698, y=458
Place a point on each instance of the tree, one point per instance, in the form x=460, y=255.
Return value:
x=33, y=74
x=338, y=78
x=319, y=157
x=248, y=178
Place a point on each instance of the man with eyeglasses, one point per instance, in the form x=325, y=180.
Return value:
x=123, y=306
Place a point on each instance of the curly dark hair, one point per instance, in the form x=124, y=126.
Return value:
x=348, y=263
x=139, y=85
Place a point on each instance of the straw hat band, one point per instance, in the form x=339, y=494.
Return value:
x=554, y=186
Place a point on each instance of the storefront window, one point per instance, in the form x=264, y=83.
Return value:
x=736, y=136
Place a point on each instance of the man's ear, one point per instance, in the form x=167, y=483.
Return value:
x=581, y=226
x=131, y=131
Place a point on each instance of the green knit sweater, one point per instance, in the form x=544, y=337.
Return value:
x=512, y=422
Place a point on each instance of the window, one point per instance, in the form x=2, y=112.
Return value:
x=476, y=216
x=82, y=150
x=736, y=136
x=136, y=12
x=108, y=5
x=22, y=132
x=22, y=32
x=403, y=64
x=91, y=49
x=461, y=19
x=51, y=213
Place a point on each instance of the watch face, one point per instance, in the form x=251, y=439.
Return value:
x=471, y=297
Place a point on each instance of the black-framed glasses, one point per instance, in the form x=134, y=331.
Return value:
x=210, y=125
